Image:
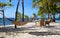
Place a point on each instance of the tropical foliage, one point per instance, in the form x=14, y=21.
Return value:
x=46, y=6
x=27, y=18
x=34, y=16
x=41, y=4
x=2, y=6
x=19, y=16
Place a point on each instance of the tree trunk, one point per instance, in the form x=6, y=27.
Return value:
x=23, y=10
x=48, y=15
x=53, y=17
x=42, y=22
x=48, y=10
x=3, y=18
x=16, y=12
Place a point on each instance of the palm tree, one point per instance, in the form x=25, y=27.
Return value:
x=44, y=5
x=2, y=6
x=54, y=8
x=16, y=12
x=23, y=10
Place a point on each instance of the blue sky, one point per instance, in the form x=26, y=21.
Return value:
x=10, y=12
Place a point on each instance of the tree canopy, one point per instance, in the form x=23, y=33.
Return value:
x=46, y=6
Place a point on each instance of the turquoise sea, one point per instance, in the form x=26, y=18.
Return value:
x=7, y=22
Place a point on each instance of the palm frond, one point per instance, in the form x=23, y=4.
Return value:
x=2, y=4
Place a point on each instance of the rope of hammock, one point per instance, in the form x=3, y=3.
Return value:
x=15, y=22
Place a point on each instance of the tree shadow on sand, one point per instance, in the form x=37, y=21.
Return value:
x=49, y=26
x=43, y=33
x=10, y=29
x=2, y=37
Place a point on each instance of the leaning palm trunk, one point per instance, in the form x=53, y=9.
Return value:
x=3, y=18
x=23, y=10
x=16, y=12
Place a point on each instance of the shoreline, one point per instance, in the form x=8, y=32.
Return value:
x=6, y=25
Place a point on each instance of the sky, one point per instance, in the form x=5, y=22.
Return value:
x=28, y=10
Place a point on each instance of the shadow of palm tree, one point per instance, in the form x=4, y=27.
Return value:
x=10, y=29
x=49, y=26
x=43, y=33
x=2, y=37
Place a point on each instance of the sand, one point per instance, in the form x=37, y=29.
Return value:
x=30, y=30
x=26, y=35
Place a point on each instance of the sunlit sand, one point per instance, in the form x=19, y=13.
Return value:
x=30, y=30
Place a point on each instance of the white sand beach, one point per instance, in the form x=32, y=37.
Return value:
x=30, y=30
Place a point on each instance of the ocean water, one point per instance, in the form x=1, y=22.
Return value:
x=7, y=22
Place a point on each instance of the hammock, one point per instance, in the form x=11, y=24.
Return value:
x=15, y=22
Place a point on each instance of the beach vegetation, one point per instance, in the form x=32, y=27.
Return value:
x=27, y=18
x=46, y=6
x=19, y=16
x=34, y=16
x=2, y=8
x=16, y=13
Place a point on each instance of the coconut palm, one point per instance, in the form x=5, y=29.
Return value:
x=53, y=7
x=54, y=10
x=16, y=12
x=44, y=5
x=2, y=6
